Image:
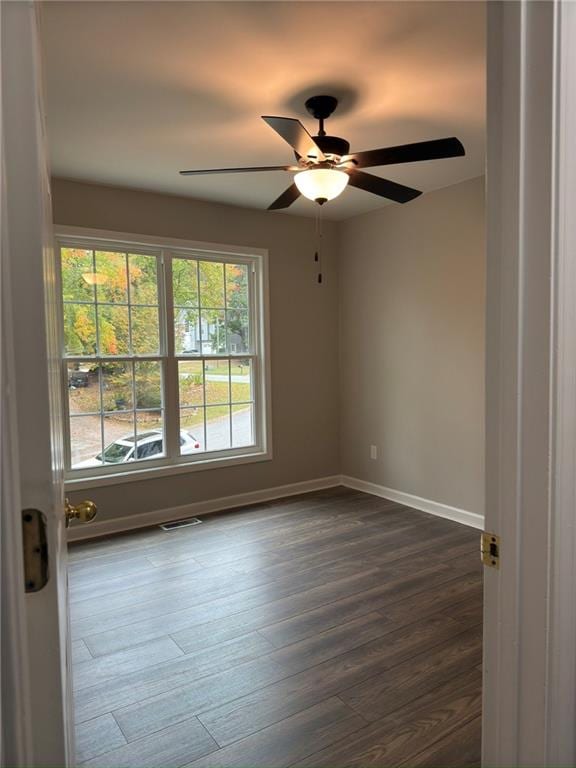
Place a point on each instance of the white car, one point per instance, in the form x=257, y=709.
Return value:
x=150, y=444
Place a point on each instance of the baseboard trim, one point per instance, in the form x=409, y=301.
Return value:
x=471, y=519
x=131, y=522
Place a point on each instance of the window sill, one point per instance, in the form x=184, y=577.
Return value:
x=151, y=473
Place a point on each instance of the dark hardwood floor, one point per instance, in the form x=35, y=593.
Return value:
x=324, y=630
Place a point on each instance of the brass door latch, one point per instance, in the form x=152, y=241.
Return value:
x=85, y=512
x=490, y=549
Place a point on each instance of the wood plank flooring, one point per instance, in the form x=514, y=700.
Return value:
x=324, y=630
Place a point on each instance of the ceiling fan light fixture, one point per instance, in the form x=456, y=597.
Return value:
x=321, y=184
x=94, y=278
x=325, y=166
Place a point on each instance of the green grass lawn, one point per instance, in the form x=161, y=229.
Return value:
x=239, y=370
x=194, y=367
x=215, y=392
x=86, y=399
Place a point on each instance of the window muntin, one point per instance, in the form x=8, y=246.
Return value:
x=211, y=307
x=216, y=397
x=111, y=303
x=197, y=386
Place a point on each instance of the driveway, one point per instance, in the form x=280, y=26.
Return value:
x=85, y=433
x=218, y=431
x=236, y=378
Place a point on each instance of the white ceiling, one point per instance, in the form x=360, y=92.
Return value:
x=138, y=90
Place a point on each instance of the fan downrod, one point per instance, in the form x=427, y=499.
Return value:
x=321, y=107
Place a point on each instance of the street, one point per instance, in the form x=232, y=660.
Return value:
x=85, y=433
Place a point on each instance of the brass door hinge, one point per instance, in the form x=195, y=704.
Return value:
x=35, y=550
x=490, y=549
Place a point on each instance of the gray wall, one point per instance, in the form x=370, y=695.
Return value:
x=412, y=346
x=392, y=358
x=304, y=338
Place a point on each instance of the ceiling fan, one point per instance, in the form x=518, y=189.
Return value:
x=324, y=165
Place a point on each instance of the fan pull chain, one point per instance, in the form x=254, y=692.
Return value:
x=318, y=252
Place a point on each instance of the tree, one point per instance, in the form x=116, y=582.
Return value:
x=208, y=288
x=109, y=279
x=97, y=287
x=237, y=300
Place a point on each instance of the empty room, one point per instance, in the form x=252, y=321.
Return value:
x=259, y=310
x=223, y=355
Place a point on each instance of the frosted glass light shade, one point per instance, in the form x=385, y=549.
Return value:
x=94, y=278
x=321, y=184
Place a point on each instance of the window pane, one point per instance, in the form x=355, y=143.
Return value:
x=117, y=386
x=241, y=371
x=186, y=331
x=85, y=441
x=83, y=389
x=217, y=373
x=80, y=329
x=113, y=330
x=145, y=331
x=242, y=430
x=237, y=286
x=192, y=427
x=148, y=384
x=149, y=435
x=118, y=438
x=185, y=282
x=113, y=319
x=143, y=279
x=217, y=427
x=190, y=443
x=112, y=283
x=191, y=382
x=238, y=332
x=213, y=329
x=211, y=284
x=77, y=272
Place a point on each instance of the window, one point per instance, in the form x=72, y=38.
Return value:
x=163, y=356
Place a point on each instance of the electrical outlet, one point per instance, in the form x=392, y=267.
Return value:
x=373, y=451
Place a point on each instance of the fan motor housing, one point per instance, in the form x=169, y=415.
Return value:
x=321, y=107
x=333, y=145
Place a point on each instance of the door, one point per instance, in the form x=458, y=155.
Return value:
x=36, y=697
x=529, y=706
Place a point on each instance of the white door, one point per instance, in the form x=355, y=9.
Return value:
x=36, y=690
x=530, y=611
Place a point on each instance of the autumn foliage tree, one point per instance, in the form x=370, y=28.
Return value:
x=111, y=311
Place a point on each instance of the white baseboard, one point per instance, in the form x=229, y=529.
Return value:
x=472, y=519
x=131, y=522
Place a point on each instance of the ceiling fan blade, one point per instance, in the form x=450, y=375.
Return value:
x=286, y=199
x=383, y=187
x=241, y=170
x=292, y=131
x=408, y=153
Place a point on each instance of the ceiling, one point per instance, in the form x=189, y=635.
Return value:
x=139, y=90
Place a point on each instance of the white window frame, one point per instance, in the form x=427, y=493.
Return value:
x=173, y=463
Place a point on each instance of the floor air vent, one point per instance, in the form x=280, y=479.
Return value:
x=180, y=524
